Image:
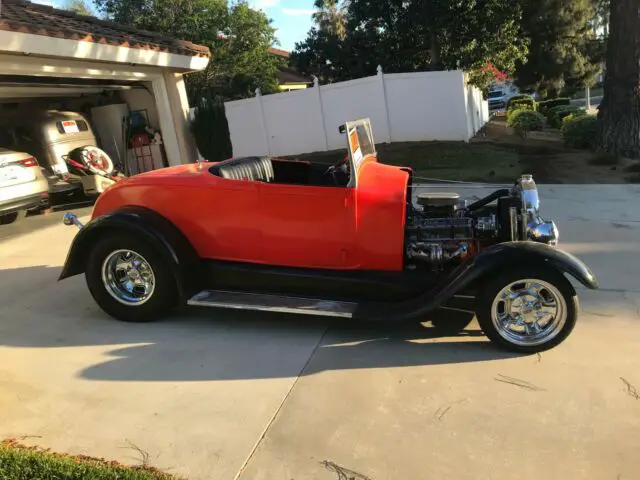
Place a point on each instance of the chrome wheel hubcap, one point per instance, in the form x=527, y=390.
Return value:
x=128, y=277
x=529, y=312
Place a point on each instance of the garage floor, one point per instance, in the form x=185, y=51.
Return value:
x=218, y=395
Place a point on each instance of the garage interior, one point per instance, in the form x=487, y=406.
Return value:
x=119, y=114
x=127, y=83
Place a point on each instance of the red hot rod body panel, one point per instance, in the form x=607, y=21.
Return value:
x=293, y=225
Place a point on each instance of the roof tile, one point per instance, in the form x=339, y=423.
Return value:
x=23, y=16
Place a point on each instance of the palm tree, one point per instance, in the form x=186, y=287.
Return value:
x=331, y=17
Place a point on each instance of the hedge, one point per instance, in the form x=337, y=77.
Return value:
x=556, y=114
x=518, y=102
x=545, y=106
x=525, y=121
x=580, y=131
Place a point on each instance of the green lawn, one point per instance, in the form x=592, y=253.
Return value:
x=477, y=161
x=18, y=462
x=455, y=161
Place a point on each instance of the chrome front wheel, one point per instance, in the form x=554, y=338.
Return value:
x=528, y=310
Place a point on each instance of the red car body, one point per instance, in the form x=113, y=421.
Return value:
x=344, y=228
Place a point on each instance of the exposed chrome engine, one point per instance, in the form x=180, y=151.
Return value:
x=441, y=228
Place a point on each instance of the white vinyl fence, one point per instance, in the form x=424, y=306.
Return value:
x=403, y=107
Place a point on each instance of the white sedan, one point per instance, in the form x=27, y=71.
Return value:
x=23, y=186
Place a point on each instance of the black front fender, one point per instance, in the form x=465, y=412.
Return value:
x=513, y=254
x=488, y=262
x=166, y=238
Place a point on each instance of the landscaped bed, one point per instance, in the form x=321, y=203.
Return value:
x=20, y=462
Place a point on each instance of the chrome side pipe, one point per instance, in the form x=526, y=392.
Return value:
x=72, y=219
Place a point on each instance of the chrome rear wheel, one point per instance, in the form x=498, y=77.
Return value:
x=130, y=278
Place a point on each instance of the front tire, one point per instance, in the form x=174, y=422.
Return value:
x=14, y=217
x=129, y=279
x=528, y=310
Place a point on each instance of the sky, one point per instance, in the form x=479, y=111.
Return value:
x=291, y=18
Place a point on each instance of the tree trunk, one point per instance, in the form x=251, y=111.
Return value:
x=619, y=112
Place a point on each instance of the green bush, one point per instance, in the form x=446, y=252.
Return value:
x=525, y=121
x=574, y=115
x=519, y=102
x=545, y=106
x=211, y=129
x=556, y=114
x=580, y=131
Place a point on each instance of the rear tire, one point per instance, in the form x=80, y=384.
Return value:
x=528, y=309
x=130, y=280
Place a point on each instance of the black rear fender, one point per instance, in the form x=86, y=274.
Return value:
x=144, y=223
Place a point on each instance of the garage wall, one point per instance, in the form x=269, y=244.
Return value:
x=140, y=99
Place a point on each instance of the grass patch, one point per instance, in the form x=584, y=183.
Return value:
x=20, y=462
x=633, y=168
x=605, y=159
x=455, y=161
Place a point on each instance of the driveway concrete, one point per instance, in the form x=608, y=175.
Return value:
x=219, y=395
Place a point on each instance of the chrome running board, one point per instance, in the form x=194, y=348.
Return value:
x=272, y=303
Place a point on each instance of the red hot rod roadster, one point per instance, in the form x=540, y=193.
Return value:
x=350, y=240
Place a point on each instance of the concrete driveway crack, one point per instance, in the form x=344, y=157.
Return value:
x=632, y=302
x=284, y=400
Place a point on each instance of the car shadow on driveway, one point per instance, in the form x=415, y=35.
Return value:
x=209, y=344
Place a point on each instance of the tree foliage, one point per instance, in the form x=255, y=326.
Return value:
x=564, y=51
x=239, y=38
x=211, y=129
x=78, y=6
x=405, y=36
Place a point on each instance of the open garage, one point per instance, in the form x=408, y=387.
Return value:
x=68, y=80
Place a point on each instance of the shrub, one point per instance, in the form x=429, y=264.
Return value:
x=211, y=129
x=524, y=121
x=580, y=132
x=574, y=115
x=556, y=114
x=545, y=106
x=519, y=102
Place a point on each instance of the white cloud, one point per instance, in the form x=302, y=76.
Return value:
x=264, y=4
x=48, y=3
x=298, y=11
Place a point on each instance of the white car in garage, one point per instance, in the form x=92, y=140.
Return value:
x=23, y=186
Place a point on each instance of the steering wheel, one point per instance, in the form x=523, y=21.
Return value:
x=339, y=169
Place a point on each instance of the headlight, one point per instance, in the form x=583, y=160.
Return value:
x=533, y=226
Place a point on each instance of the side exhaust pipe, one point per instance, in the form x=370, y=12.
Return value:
x=72, y=219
